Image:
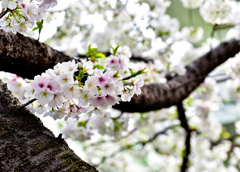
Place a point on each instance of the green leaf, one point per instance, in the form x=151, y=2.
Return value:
x=115, y=49
x=100, y=55
x=132, y=73
x=168, y=66
x=141, y=71
x=81, y=74
x=138, y=72
x=35, y=28
x=98, y=66
x=82, y=124
x=40, y=24
x=116, y=75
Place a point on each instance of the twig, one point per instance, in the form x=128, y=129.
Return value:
x=213, y=30
x=116, y=140
x=119, y=116
x=24, y=105
x=184, y=123
x=143, y=143
x=232, y=138
x=4, y=12
x=133, y=58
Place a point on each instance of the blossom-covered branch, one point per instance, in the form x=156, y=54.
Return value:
x=16, y=58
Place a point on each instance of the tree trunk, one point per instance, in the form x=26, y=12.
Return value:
x=26, y=145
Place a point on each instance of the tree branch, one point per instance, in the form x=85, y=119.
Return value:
x=25, y=56
x=143, y=143
x=184, y=123
x=3, y=13
x=15, y=57
x=25, y=144
x=157, y=96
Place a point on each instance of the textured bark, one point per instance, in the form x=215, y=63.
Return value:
x=25, y=56
x=15, y=57
x=26, y=145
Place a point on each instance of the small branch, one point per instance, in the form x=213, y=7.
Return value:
x=133, y=58
x=157, y=134
x=4, y=12
x=24, y=105
x=213, y=30
x=184, y=123
x=232, y=138
x=143, y=143
x=120, y=10
x=104, y=141
x=119, y=116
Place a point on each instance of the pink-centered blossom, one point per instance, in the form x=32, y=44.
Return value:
x=39, y=82
x=111, y=100
x=101, y=77
x=98, y=101
x=112, y=63
x=53, y=87
x=108, y=88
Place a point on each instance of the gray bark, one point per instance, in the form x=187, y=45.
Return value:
x=26, y=145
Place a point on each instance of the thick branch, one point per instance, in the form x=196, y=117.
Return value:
x=26, y=145
x=157, y=96
x=15, y=57
x=25, y=56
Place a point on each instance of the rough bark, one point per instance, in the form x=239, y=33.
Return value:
x=16, y=58
x=26, y=145
x=25, y=56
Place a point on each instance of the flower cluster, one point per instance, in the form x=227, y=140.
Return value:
x=217, y=11
x=84, y=128
x=192, y=33
x=21, y=14
x=15, y=83
x=94, y=90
